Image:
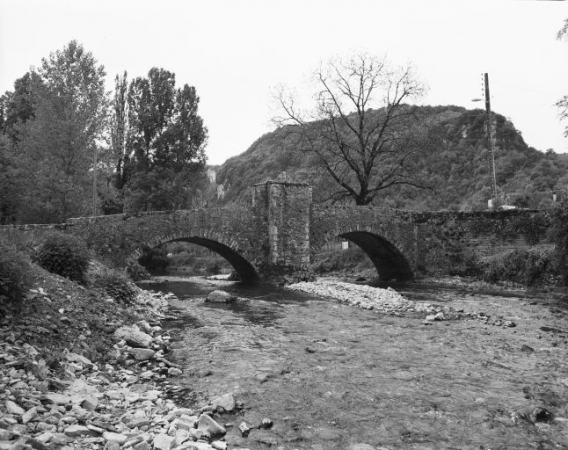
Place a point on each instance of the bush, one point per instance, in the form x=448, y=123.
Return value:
x=64, y=255
x=116, y=285
x=137, y=272
x=559, y=235
x=154, y=258
x=15, y=276
x=530, y=267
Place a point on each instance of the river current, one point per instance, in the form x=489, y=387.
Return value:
x=331, y=375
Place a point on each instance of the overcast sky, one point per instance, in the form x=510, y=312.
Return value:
x=235, y=51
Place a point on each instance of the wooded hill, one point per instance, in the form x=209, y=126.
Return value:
x=453, y=160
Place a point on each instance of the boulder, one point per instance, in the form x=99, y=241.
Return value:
x=62, y=399
x=29, y=415
x=76, y=358
x=13, y=408
x=142, y=446
x=119, y=438
x=210, y=426
x=226, y=402
x=220, y=297
x=174, y=372
x=197, y=446
x=219, y=445
x=142, y=354
x=360, y=447
x=163, y=442
x=79, y=430
x=133, y=337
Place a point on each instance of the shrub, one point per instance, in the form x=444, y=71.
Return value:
x=559, y=235
x=137, y=272
x=15, y=276
x=116, y=285
x=154, y=258
x=532, y=266
x=64, y=255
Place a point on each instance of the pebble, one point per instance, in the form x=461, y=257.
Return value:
x=244, y=429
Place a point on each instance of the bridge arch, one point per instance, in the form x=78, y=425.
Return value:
x=246, y=271
x=389, y=261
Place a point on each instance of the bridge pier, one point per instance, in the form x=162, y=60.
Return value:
x=283, y=210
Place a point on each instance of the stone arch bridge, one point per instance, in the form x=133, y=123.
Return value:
x=282, y=230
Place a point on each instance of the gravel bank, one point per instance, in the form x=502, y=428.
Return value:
x=381, y=300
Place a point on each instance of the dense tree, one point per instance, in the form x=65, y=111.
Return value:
x=164, y=144
x=118, y=127
x=364, y=151
x=56, y=145
x=19, y=106
x=11, y=187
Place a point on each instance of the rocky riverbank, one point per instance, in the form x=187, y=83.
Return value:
x=79, y=371
x=389, y=301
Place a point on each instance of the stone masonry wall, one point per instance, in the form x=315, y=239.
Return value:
x=435, y=242
x=283, y=229
x=284, y=209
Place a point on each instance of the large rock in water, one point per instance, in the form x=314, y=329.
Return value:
x=220, y=297
x=133, y=337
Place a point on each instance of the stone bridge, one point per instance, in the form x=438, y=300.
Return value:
x=282, y=230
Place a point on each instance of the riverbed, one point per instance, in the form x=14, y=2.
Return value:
x=330, y=375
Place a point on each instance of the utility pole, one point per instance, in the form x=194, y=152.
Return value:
x=95, y=183
x=490, y=133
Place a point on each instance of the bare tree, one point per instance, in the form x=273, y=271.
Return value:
x=361, y=126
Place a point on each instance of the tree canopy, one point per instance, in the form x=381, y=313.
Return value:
x=59, y=129
x=162, y=139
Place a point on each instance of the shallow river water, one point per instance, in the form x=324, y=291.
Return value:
x=330, y=375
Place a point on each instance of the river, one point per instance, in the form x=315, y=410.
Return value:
x=330, y=375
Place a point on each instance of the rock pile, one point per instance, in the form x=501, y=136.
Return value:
x=75, y=403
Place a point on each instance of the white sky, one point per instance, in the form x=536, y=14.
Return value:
x=235, y=51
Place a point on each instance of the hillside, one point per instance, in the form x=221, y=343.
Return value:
x=454, y=160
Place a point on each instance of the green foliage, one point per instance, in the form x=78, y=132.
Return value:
x=533, y=228
x=455, y=161
x=342, y=260
x=15, y=276
x=55, y=119
x=137, y=272
x=64, y=255
x=530, y=267
x=116, y=285
x=559, y=235
x=161, y=166
x=154, y=258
